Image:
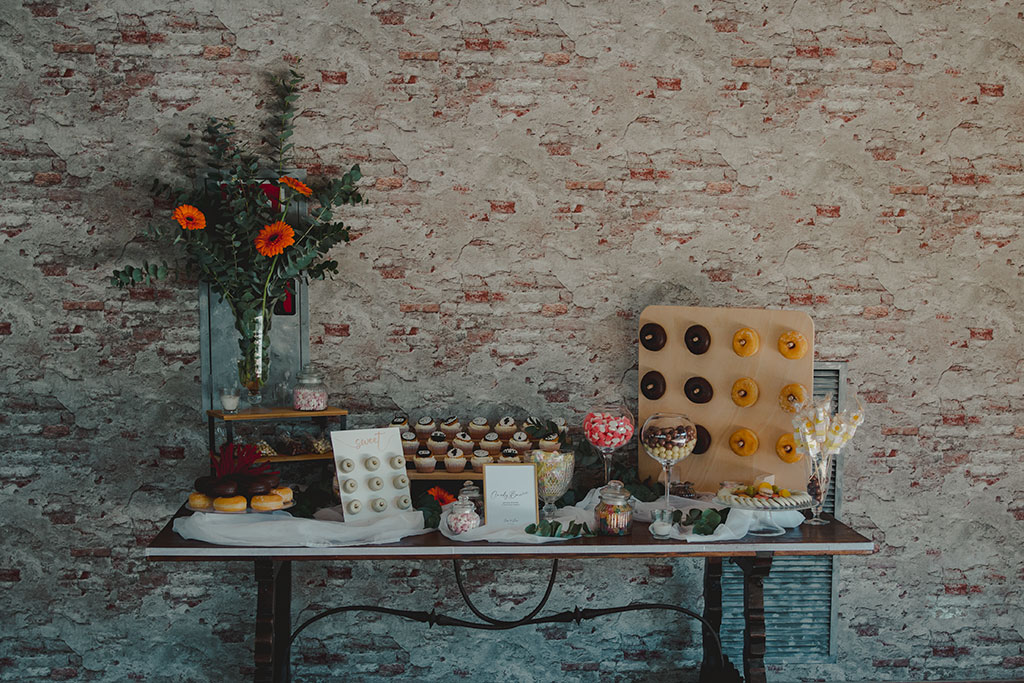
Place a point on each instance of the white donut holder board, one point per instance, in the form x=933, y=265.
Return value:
x=371, y=473
x=721, y=366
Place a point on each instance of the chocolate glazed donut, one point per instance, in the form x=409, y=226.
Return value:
x=698, y=390
x=652, y=386
x=698, y=339
x=653, y=337
x=703, y=440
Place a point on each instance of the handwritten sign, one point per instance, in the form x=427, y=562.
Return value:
x=510, y=495
x=371, y=472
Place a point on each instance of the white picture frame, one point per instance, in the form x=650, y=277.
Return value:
x=510, y=495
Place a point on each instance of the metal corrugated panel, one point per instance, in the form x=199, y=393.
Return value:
x=800, y=592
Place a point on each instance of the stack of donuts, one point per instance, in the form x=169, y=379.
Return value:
x=237, y=492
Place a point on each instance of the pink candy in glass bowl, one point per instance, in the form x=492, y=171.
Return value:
x=608, y=428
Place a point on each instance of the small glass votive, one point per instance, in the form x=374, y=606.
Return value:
x=229, y=397
x=661, y=524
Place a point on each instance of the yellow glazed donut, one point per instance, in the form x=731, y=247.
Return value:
x=746, y=342
x=271, y=501
x=792, y=345
x=785, y=448
x=286, y=494
x=199, y=501
x=743, y=442
x=230, y=504
x=745, y=392
x=791, y=396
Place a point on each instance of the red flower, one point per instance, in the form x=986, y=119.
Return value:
x=274, y=238
x=441, y=496
x=190, y=217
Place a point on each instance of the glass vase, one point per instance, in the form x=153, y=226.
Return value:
x=254, y=345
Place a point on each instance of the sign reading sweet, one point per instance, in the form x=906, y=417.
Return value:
x=510, y=495
x=371, y=472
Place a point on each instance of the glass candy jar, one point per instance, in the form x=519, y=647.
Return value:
x=472, y=491
x=613, y=514
x=462, y=516
x=310, y=392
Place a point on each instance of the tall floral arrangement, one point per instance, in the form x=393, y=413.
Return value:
x=238, y=229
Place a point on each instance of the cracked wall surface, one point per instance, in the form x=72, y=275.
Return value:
x=538, y=173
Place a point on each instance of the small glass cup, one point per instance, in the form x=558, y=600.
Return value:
x=229, y=397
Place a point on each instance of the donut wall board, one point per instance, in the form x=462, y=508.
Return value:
x=725, y=369
x=371, y=473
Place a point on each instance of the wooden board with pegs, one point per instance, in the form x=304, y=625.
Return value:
x=677, y=362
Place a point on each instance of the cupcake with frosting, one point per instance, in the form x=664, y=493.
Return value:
x=438, y=443
x=455, y=460
x=451, y=426
x=479, y=459
x=463, y=442
x=401, y=421
x=520, y=441
x=505, y=428
x=424, y=427
x=478, y=428
x=509, y=455
x=549, y=443
x=410, y=444
x=425, y=461
x=491, y=443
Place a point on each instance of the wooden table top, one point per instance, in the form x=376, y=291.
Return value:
x=831, y=539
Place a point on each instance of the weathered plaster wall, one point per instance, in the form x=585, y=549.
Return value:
x=538, y=173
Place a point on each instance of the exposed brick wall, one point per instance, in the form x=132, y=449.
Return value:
x=537, y=175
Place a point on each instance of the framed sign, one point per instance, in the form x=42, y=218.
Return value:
x=510, y=495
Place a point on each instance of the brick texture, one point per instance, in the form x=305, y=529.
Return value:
x=536, y=177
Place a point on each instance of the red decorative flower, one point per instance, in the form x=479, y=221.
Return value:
x=273, y=238
x=441, y=496
x=190, y=217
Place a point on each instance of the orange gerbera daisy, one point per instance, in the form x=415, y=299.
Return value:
x=296, y=185
x=441, y=496
x=273, y=238
x=190, y=217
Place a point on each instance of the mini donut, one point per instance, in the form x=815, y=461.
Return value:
x=698, y=390
x=403, y=502
x=653, y=337
x=785, y=448
x=286, y=494
x=350, y=485
x=199, y=501
x=397, y=462
x=375, y=483
x=743, y=442
x=372, y=463
x=792, y=345
x=703, y=442
x=379, y=505
x=791, y=396
x=347, y=465
x=745, y=392
x=354, y=507
x=698, y=339
x=401, y=481
x=746, y=342
x=268, y=502
x=223, y=488
x=652, y=386
x=257, y=488
x=230, y=504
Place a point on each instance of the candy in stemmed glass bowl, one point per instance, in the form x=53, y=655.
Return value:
x=668, y=438
x=608, y=428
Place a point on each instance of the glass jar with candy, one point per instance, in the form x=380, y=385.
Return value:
x=310, y=392
x=462, y=516
x=614, y=514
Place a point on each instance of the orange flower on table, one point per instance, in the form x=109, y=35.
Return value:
x=190, y=217
x=296, y=185
x=273, y=238
x=441, y=496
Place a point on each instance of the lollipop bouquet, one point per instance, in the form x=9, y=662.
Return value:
x=819, y=436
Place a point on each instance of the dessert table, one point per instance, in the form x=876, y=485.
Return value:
x=753, y=554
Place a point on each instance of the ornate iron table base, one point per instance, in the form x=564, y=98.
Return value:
x=274, y=638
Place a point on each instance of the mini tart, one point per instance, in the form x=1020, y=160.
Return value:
x=199, y=501
x=271, y=501
x=230, y=504
x=792, y=396
x=286, y=494
x=746, y=342
x=743, y=442
x=745, y=392
x=792, y=345
x=785, y=448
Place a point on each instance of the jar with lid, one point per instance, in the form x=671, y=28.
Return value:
x=472, y=491
x=462, y=516
x=614, y=515
x=310, y=392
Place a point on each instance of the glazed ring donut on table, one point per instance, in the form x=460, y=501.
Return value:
x=271, y=501
x=698, y=339
x=745, y=392
x=743, y=442
x=698, y=390
x=652, y=386
x=230, y=504
x=199, y=501
x=791, y=396
x=792, y=345
x=785, y=448
x=746, y=342
x=653, y=337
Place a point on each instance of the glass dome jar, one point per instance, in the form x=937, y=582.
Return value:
x=310, y=392
x=613, y=514
x=462, y=516
x=472, y=491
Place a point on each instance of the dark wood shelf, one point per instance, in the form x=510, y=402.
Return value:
x=274, y=413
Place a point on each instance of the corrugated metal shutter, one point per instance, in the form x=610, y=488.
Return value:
x=800, y=592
